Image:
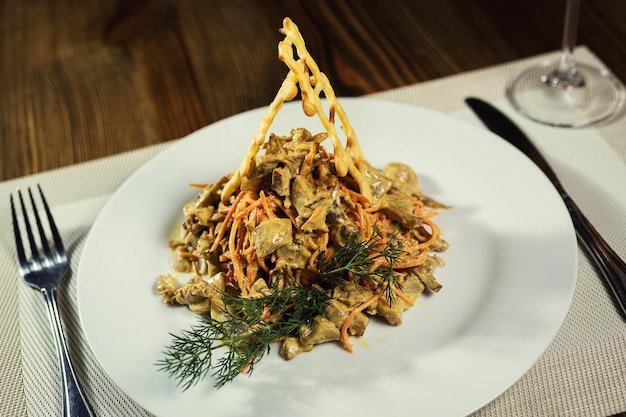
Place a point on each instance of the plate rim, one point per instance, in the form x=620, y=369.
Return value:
x=346, y=102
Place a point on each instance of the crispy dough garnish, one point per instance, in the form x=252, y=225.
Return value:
x=305, y=74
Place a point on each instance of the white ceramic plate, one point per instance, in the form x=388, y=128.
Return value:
x=507, y=285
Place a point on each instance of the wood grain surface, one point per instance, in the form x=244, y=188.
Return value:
x=84, y=79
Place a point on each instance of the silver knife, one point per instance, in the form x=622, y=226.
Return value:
x=609, y=265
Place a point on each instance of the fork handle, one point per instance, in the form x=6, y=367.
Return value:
x=75, y=403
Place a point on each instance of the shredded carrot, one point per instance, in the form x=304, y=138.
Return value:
x=288, y=212
x=346, y=323
x=311, y=244
x=252, y=206
x=266, y=205
x=250, y=250
x=226, y=222
x=434, y=234
x=251, y=269
x=242, y=238
x=357, y=197
x=362, y=223
x=238, y=272
x=412, y=261
x=377, y=264
x=324, y=243
x=401, y=295
x=317, y=248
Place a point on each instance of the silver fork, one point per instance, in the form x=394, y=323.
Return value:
x=43, y=270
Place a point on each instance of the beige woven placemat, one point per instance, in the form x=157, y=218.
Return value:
x=583, y=373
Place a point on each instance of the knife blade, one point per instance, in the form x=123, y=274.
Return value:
x=608, y=264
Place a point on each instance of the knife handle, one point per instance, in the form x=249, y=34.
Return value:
x=610, y=266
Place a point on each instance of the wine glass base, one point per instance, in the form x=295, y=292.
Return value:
x=582, y=96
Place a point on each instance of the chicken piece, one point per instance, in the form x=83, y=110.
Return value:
x=196, y=294
x=166, y=287
x=291, y=347
x=350, y=294
x=260, y=173
x=378, y=182
x=293, y=255
x=425, y=272
x=207, y=197
x=342, y=230
x=271, y=235
x=338, y=312
x=400, y=208
x=218, y=308
x=412, y=289
x=391, y=313
x=321, y=330
x=412, y=286
x=432, y=203
x=275, y=144
x=311, y=203
x=282, y=273
x=317, y=220
x=288, y=152
x=260, y=289
x=402, y=177
x=302, y=193
x=281, y=181
x=439, y=245
x=301, y=134
x=178, y=260
x=204, y=215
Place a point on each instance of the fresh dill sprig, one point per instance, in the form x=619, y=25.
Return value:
x=245, y=336
x=251, y=325
x=355, y=260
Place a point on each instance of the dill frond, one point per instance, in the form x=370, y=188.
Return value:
x=356, y=259
x=244, y=336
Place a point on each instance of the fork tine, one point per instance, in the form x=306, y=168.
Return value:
x=42, y=235
x=29, y=232
x=21, y=256
x=58, y=243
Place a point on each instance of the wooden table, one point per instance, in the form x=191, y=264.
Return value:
x=82, y=80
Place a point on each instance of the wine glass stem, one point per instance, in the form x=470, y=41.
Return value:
x=570, y=28
x=566, y=75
